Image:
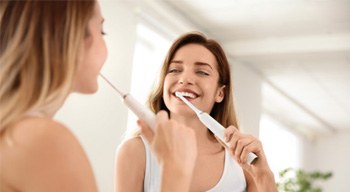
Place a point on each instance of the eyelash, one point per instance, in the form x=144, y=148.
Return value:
x=203, y=73
x=103, y=33
x=173, y=70
x=198, y=72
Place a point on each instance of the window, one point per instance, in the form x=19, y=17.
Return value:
x=280, y=145
x=150, y=51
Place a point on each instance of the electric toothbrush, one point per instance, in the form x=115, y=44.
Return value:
x=139, y=110
x=212, y=124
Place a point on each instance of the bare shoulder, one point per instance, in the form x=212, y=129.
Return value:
x=132, y=147
x=130, y=165
x=34, y=129
x=132, y=152
x=42, y=134
x=44, y=155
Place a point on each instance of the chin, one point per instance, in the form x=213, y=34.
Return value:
x=88, y=89
x=92, y=90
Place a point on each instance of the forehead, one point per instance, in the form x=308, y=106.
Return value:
x=195, y=53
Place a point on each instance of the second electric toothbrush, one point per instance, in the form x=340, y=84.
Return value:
x=212, y=124
x=140, y=110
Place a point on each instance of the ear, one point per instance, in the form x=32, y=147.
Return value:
x=220, y=94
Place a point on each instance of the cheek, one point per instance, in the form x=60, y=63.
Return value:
x=166, y=89
x=96, y=57
x=85, y=81
x=104, y=53
x=210, y=90
x=86, y=76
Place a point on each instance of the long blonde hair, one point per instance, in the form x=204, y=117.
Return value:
x=223, y=112
x=40, y=47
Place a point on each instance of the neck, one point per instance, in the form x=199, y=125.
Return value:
x=42, y=112
x=48, y=110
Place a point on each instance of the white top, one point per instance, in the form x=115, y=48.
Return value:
x=232, y=179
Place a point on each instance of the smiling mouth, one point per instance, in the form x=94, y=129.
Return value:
x=187, y=95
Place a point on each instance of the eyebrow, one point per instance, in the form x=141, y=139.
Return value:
x=203, y=64
x=199, y=63
x=103, y=20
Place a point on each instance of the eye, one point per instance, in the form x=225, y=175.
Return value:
x=103, y=33
x=203, y=73
x=173, y=70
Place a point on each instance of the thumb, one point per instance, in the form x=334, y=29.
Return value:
x=146, y=131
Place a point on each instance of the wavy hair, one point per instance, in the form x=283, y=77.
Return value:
x=223, y=112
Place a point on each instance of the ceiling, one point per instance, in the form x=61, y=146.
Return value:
x=300, y=48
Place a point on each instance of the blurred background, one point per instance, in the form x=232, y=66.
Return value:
x=291, y=71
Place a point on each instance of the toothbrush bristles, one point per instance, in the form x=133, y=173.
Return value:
x=179, y=95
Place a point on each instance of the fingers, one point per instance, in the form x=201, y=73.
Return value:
x=146, y=131
x=172, y=142
x=229, y=132
x=231, y=136
x=251, y=147
x=241, y=151
x=240, y=145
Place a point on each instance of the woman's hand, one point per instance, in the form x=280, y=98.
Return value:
x=239, y=146
x=176, y=149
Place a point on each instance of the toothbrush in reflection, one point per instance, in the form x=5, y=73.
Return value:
x=212, y=124
x=137, y=108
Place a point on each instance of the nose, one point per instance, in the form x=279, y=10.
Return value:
x=186, y=78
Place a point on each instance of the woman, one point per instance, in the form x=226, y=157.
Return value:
x=198, y=68
x=48, y=50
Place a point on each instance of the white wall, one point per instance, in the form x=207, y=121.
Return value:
x=99, y=120
x=330, y=153
x=247, y=93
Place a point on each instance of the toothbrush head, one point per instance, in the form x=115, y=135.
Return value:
x=179, y=95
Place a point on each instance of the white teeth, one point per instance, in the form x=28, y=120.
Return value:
x=187, y=94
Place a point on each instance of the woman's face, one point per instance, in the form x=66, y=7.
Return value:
x=94, y=55
x=192, y=71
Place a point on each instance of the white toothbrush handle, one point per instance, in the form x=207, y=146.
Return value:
x=141, y=111
x=219, y=130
